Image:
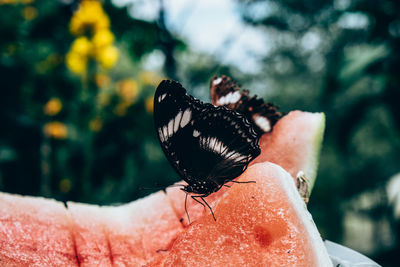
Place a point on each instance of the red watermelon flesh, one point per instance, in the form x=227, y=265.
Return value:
x=260, y=224
x=34, y=232
x=295, y=143
x=141, y=229
x=265, y=224
x=92, y=244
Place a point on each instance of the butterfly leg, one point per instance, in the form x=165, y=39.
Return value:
x=194, y=198
x=187, y=213
x=245, y=182
x=208, y=207
x=205, y=202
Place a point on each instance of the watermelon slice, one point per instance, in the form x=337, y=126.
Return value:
x=255, y=222
x=34, y=232
x=295, y=144
x=126, y=235
x=260, y=224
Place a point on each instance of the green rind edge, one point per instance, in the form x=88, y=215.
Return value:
x=317, y=144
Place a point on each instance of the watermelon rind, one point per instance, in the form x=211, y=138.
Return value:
x=322, y=257
x=312, y=165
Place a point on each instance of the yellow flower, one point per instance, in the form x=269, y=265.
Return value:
x=56, y=130
x=90, y=16
x=107, y=56
x=96, y=124
x=128, y=90
x=76, y=62
x=149, y=103
x=102, y=80
x=65, y=185
x=53, y=106
x=29, y=13
x=103, y=38
x=81, y=46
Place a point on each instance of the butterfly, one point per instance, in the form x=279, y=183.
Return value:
x=225, y=92
x=207, y=146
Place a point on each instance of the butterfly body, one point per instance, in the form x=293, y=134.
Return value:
x=207, y=146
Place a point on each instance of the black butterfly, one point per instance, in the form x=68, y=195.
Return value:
x=208, y=146
x=225, y=92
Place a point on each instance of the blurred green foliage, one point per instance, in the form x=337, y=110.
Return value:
x=88, y=135
x=85, y=132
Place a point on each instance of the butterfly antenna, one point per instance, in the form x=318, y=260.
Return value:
x=187, y=213
x=160, y=187
x=245, y=182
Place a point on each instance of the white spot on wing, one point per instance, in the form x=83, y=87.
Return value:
x=218, y=146
x=165, y=132
x=240, y=157
x=161, y=97
x=221, y=101
x=217, y=81
x=196, y=133
x=235, y=97
x=214, y=145
x=177, y=120
x=160, y=134
x=170, y=128
x=230, y=98
x=211, y=144
x=186, y=117
x=262, y=122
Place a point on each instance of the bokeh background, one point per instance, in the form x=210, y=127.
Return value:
x=78, y=78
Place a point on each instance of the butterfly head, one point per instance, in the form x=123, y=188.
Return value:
x=202, y=187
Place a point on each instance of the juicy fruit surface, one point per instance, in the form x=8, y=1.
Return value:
x=130, y=234
x=257, y=224
x=34, y=232
x=42, y=232
x=91, y=242
x=295, y=143
x=139, y=230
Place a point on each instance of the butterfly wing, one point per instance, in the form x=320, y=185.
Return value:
x=228, y=135
x=225, y=92
x=202, y=142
